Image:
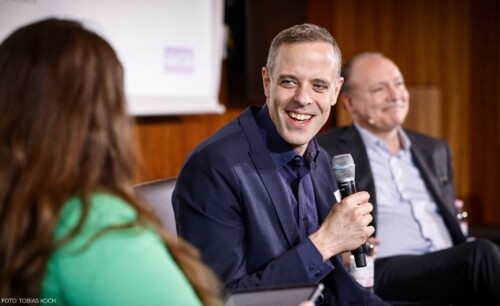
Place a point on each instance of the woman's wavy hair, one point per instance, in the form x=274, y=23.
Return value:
x=64, y=132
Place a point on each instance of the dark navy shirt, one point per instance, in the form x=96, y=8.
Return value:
x=296, y=179
x=295, y=173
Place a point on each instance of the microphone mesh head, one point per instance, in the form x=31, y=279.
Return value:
x=343, y=168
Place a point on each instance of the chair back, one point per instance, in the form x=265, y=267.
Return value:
x=158, y=194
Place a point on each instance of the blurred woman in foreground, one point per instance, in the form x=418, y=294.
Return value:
x=71, y=228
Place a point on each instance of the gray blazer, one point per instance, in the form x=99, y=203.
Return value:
x=431, y=155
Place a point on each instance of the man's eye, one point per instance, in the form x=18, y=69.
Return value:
x=320, y=87
x=287, y=83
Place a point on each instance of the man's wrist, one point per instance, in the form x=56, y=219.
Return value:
x=326, y=249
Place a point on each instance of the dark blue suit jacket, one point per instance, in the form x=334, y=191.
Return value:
x=431, y=155
x=230, y=204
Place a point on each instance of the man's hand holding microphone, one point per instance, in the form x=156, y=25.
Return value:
x=346, y=227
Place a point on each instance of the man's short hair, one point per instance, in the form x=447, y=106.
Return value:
x=302, y=33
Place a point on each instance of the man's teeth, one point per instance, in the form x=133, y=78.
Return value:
x=300, y=117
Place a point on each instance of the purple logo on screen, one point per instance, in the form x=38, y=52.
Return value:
x=179, y=60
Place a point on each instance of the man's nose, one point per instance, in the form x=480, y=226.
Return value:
x=393, y=93
x=303, y=95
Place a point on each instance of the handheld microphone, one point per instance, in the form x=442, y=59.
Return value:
x=343, y=169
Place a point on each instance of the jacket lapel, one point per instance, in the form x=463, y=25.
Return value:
x=324, y=187
x=264, y=164
x=423, y=158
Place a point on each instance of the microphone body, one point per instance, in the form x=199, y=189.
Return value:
x=343, y=169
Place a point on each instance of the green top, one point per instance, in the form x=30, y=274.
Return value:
x=122, y=267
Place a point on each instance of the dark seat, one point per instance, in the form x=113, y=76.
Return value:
x=158, y=194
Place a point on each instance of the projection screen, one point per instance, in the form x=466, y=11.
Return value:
x=171, y=50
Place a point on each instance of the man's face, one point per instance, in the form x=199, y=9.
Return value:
x=378, y=99
x=301, y=90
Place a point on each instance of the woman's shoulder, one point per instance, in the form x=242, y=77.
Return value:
x=104, y=210
x=124, y=265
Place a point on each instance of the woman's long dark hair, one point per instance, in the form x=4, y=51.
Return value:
x=64, y=132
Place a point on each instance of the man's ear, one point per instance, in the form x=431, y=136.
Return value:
x=266, y=80
x=338, y=85
x=346, y=101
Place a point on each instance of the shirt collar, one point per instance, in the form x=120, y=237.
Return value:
x=281, y=151
x=371, y=140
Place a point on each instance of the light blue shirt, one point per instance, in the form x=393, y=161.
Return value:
x=408, y=219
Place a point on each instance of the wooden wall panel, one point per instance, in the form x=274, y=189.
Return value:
x=426, y=111
x=165, y=142
x=485, y=110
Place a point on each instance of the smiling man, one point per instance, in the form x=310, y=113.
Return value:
x=422, y=255
x=257, y=197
